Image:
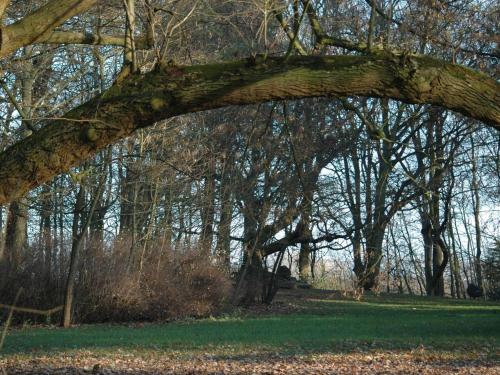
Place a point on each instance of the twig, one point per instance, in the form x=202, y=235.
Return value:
x=32, y=311
x=9, y=319
x=18, y=107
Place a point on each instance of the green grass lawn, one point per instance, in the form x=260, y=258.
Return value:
x=319, y=325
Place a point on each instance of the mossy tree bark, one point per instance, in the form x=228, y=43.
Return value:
x=139, y=101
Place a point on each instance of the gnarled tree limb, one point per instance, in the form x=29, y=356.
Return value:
x=141, y=100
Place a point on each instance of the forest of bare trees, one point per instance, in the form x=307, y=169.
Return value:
x=155, y=150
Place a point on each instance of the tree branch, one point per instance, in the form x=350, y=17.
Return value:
x=67, y=37
x=413, y=31
x=40, y=23
x=295, y=238
x=322, y=39
x=141, y=100
x=3, y=7
x=291, y=36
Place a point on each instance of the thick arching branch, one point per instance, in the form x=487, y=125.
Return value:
x=141, y=100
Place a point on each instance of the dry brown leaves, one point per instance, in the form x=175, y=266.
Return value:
x=389, y=362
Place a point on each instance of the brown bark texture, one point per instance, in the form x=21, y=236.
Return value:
x=139, y=101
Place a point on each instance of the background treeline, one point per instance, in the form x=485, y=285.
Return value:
x=357, y=194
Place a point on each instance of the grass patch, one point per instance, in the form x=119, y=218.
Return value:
x=322, y=325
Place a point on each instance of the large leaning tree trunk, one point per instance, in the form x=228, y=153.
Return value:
x=139, y=100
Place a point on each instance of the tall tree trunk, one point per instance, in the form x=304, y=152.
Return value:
x=17, y=217
x=16, y=233
x=254, y=277
x=46, y=237
x=436, y=252
x=2, y=235
x=477, y=205
x=62, y=247
x=305, y=231
x=223, y=247
x=305, y=262
x=374, y=243
x=354, y=195
x=208, y=208
x=149, y=228
x=251, y=273
x=77, y=238
x=416, y=264
x=129, y=58
x=377, y=224
x=428, y=253
x=437, y=286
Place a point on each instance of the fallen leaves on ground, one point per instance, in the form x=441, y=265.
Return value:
x=418, y=361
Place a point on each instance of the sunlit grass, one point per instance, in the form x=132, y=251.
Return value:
x=323, y=325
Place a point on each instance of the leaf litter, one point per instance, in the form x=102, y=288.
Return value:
x=417, y=361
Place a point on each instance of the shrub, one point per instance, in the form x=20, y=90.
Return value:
x=180, y=284
x=169, y=285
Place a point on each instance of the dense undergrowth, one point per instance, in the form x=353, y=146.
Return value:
x=163, y=285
